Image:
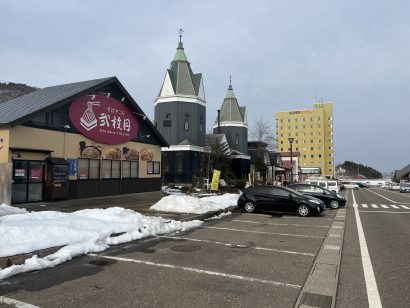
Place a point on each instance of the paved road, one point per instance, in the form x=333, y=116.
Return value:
x=385, y=221
x=247, y=260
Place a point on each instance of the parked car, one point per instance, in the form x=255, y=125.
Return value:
x=333, y=186
x=322, y=183
x=405, y=187
x=330, y=198
x=361, y=185
x=348, y=185
x=394, y=186
x=275, y=199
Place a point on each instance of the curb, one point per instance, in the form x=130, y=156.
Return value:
x=320, y=287
x=20, y=259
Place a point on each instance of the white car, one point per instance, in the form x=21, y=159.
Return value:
x=332, y=186
x=350, y=186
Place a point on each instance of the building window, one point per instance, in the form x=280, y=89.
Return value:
x=237, y=139
x=296, y=134
x=303, y=119
x=311, y=119
x=304, y=155
x=288, y=120
x=311, y=140
x=186, y=125
x=106, y=169
x=281, y=149
x=311, y=156
x=281, y=142
x=88, y=169
x=311, y=133
x=116, y=169
x=330, y=163
x=281, y=135
x=311, y=148
x=296, y=120
x=167, y=123
x=296, y=127
x=297, y=149
x=296, y=141
x=201, y=125
x=288, y=127
x=153, y=167
x=311, y=125
x=320, y=155
x=281, y=120
x=180, y=164
x=318, y=118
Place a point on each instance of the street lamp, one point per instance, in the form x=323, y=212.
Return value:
x=290, y=139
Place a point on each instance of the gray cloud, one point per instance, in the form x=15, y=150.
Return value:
x=354, y=53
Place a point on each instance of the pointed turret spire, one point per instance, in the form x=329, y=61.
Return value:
x=180, y=55
x=230, y=93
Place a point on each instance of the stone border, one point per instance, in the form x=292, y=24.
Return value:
x=320, y=287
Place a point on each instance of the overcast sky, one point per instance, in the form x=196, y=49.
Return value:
x=281, y=55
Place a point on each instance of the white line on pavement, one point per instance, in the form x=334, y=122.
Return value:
x=381, y=195
x=16, y=303
x=384, y=206
x=239, y=245
x=364, y=205
x=390, y=212
x=374, y=206
x=200, y=271
x=261, y=232
x=287, y=217
x=371, y=286
x=405, y=207
x=277, y=224
x=394, y=206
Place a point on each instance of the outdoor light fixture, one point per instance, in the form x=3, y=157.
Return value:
x=291, y=139
x=141, y=115
x=123, y=99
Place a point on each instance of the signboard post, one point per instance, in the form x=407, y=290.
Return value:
x=215, y=180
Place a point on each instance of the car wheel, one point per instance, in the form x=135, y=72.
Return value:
x=249, y=207
x=356, y=188
x=334, y=204
x=303, y=210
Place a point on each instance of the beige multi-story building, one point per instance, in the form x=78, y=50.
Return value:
x=312, y=130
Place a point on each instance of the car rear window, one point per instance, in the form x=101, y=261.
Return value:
x=332, y=183
x=323, y=184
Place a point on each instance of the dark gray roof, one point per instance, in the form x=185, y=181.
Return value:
x=402, y=173
x=230, y=110
x=40, y=100
x=23, y=108
x=183, y=80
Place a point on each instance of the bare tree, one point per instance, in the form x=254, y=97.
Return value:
x=262, y=131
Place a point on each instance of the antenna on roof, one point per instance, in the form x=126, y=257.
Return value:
x=230, y=80
x=180, y=34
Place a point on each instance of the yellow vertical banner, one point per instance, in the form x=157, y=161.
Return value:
x=215, y=180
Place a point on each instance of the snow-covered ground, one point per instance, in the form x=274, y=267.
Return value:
x=190, y=204
x=91, y=230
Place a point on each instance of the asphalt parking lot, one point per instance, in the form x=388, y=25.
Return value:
x=242, y=260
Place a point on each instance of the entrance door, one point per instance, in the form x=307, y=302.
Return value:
x=28, y=181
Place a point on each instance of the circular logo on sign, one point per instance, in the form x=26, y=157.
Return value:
x=103, y=119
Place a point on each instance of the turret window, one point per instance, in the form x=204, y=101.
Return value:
x=186, y=125
x=201, y=124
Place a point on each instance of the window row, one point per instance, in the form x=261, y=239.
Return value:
x=95, y=169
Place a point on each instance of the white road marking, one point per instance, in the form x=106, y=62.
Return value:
x=200, y=271
x=287, y=217
x=374, y=206
x=355, y=205
x=381, y=195
x=405, y=207
x=278, y=224
x=373, y=296
x=394, y=206
x=16, y=303
x=390, y=212
x=364, y=205
x=384, y=206
x=240, y=245
x=261, y=232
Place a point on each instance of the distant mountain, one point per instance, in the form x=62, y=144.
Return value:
x=10, y=90
x=351, y=169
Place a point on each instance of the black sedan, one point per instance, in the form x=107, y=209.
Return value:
x=278, y=200
x=330, y=198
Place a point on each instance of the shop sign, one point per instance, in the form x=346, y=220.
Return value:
x=36, y=174
x=103, y=119
x=20, y=172
x=72, y=166
x=215, y=180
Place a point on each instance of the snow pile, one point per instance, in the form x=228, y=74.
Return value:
x=81, y=232
x=190, y=204
x=8, y=210
x=222, y=215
